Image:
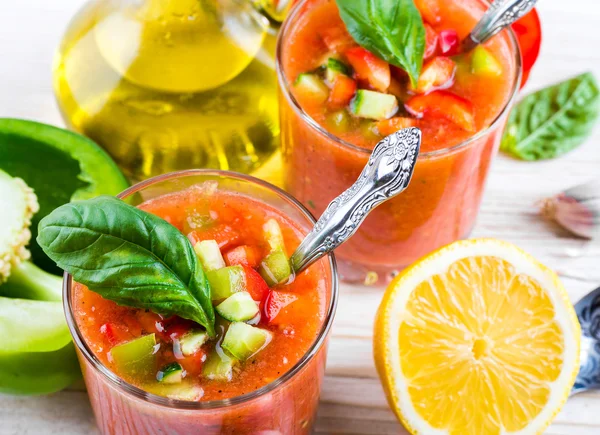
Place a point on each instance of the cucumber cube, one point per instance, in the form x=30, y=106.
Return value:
x=243, y=341
x=209, y=254
x=135, y=357
x=373, y=105
x=179, y=391
x=484, y=63
x=334, y=68
x=225, y=281
x=274, y=235
x=238, y=307
x=218, y=366
x=170, y=374
x=192, y=342
x=311, y=85
x=275, y=268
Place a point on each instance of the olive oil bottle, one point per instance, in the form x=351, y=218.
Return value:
x=166, y=85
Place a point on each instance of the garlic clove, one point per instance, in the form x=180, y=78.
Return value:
x=576, y=209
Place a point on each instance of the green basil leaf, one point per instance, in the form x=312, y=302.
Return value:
x=554, y=120
x=391, y=29
x=129, y=256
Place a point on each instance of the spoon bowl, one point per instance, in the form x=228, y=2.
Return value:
x=588, y=313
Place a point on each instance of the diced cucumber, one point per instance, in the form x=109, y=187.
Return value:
x=180, y=391
x=243, y=341
x=273, y=234
x=275, y=268
x=136, y=356
x=238, y=307
x=312, y=85
x=225, y=281
x=192, y=342
x=339, y=121
x=170, y=374
x=334, y=68
x=209, y=254
x=373, y=105
x=197, y=220
x=485, y=63
x=218, y=366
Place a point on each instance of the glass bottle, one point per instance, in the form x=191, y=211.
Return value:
x=165, y=85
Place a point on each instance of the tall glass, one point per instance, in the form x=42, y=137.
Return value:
x=440, y=205
x=287, y=405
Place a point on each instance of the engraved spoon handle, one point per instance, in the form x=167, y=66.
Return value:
x=502, y=13
x=386, y=174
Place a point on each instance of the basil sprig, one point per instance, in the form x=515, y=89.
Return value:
x=391, y=29
x=554, y=120
x=128, y=256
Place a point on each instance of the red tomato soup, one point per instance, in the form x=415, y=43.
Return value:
x=338, y=100
x=276, y=326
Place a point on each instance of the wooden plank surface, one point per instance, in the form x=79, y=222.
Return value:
x=352, y=399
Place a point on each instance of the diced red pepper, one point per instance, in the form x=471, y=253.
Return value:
x=448, y=42
x=430, y=10
x=244, y=255
x=342, y=92
x=277, y=301
x=337, y=39
x=256, y=285
x=150, y=322
x=392, y=125
x=369, y=67
x=115, y=334
x=443, y=104
x=224, y=234
x=431, y=41
x=176, y=327
x=193, y=364
x=438, y=73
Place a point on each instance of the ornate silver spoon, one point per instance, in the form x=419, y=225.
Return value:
x=502, y=13
x=588, y=313
x=387, y=173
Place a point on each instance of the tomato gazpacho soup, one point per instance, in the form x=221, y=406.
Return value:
x=338, y=99
x=266, y=321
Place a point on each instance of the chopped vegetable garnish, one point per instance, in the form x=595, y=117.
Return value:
x=438, y=73
x=431, y=41
x=443, y=104
x=369, y=67
x=136, y=356
x=192, y=342
x=484, y=63
x=244, y=255
x=225, y=281
x=373, y=105
x=342, y=92
x=275, y=268
x=311, y=85
x=219, y=366
x=170, y=374
x=238, y=307
x=449, y=42
x=243, y=341
x=209, y=255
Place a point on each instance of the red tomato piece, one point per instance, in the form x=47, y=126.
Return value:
x=256, y=285
x=438, y=73
x=115, y=334
x=431, y=41
x=244, y=255
x=529, y=33
x=444, y=104
x=392, y=125
x=224, y=235
x=430, y=10
x=150, y=322
x=369, y=67
x=448, y=42
x=176, y=328
x=193, y=364
x=337, y=39
x=276, y=301
x=342, y=92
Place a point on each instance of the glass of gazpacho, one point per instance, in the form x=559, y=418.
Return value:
x=337, y=100
x=148, y=373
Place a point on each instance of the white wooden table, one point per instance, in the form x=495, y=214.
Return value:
x=352, y=400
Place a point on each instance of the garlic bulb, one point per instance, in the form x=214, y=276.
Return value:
x=577, y=209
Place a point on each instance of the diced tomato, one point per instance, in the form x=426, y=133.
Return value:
x=193, y=364
x=438, y=73
x=431, y=41
x=443, y=104
x=370, y=68
x=256, y=285
x=342, y=92
x=176, y=328
x=150, y=322
x=276, y=301
x=430, y=10
x=448, y=42
x=529, y=32
x=225, y=236
x=392, y=125
x=244, y=255
x=337, y=39
x=115, y=334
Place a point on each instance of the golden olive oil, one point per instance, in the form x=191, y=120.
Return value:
x=166, y=85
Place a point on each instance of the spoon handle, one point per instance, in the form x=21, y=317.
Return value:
x=502, y=13
x=386, y=174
